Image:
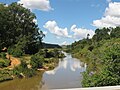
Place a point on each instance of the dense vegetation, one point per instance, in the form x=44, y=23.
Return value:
x=3, y=61
x=18, y=31
x=101, y=53
x=47, y=45
x=44, y=57
x=21, y=39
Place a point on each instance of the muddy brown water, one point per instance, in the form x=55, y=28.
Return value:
x=68, y=74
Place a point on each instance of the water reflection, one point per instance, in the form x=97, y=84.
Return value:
x=66, y=75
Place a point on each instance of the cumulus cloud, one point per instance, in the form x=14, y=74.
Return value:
x=43, y=5
x=113, y=9
x=55, y=29
x=111, y=16
x=80, y=33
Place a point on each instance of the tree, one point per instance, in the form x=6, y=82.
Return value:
x=18, y=28
x=101, y=34
x=88, y=36
x=115, y=33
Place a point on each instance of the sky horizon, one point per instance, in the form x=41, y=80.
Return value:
x=66, y=21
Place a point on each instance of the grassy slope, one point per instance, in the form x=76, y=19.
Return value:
x=90, y=57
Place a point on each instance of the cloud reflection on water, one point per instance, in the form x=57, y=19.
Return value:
x=73, y=65
x=66, y=74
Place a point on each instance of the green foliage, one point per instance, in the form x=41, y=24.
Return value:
x=15, y=51
x=3, y=55
x=90, y=48
x=61, y=55
x=19, y=29
x=6, y=75
x=4, y=63
x=45, y=56
x=101, y=34
x=115, y=33
x=51, y=53
x=109, y=73
x=23, y=70
x=37, y=61
x=102, y=56
x=56, y=53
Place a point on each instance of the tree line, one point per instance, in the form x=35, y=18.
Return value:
x=101, y=53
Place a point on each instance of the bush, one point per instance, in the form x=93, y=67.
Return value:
x=15, y=51
x=3, y=55
x=23, y=69
x=4, y=63
x=90, y=48
x=1, y=63
x=7, y=62
x=37, y=61
x=61, y=55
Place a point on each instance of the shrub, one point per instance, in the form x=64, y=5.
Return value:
x=15, y=51
x=3, y=55
x=90, y=48
x=23, y=69
x=4, y=63
x=37, y=61
x=1, y=63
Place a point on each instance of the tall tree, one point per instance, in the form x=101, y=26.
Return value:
x=101, y=34
x=115, y=33
x=18, y=27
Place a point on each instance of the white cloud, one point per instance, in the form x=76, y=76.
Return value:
x=111, y=17
x=43, y=5
x=113, y=10
x=80, y=33
x=55, y=29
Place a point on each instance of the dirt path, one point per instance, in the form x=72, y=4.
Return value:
x=14, y=61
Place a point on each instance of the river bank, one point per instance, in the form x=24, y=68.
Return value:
x=32, y=83
x=66, y=74
x=102, y=59
x=29, y=65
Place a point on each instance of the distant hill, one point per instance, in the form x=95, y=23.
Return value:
x=48, y=45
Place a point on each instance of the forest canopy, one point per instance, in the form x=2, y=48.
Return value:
x=18, y=31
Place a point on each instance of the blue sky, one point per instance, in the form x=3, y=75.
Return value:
x=64, y=21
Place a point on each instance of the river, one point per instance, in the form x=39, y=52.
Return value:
x=68, y=74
